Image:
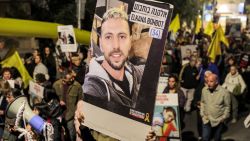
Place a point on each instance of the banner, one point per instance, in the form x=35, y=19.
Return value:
x=66, y=38
x=128, y=40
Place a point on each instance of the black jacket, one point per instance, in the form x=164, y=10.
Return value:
x=188, y=77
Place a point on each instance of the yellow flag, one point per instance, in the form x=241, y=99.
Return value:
x=175, y=24
x=14, y=60
x=209, y=30
x=214, y=48
x=198, y=25
x=222, y=36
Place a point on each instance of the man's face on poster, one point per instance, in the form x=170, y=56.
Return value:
x=115, y=42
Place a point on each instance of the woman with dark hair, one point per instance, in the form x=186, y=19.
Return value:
x=173, y=88
x=50, y=62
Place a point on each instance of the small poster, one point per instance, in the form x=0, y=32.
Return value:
x=66, y=38
x=12, y=83
x=166, y=121
x=163, y=83
x=36, y=89
x=186, y=52
x=233, y=27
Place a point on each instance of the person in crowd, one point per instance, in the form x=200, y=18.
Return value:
x=215, y=108
x=236, y=86
x=69, y=92
x=175, y=89
x=4, y=87
x=207, y=65
x=10, y=134
x=78, y=66
x=16, y=76
x=50, y=62
x=35, y=53
x=111, y=73
x=51, y=110
x=7, y=75
x=245, y=72
x=229, y=62
x=29, y=63
x=197, y=102
x=41, y=80
x=40, y=67
x=189, y=74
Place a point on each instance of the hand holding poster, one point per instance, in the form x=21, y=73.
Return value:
x=66, y=38
x=122, y=81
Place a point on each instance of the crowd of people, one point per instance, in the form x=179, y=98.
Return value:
x=216, y=89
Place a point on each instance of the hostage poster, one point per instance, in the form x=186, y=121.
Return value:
x=166, y=121
x=66, y=38
x=128, y=39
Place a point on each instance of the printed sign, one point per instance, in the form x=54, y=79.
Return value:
x=36, y=89
x=66, y=38
x=166, y=123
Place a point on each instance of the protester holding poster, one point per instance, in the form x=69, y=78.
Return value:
x=117, y=88
x=173, y=88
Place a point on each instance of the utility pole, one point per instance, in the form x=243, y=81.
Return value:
x=80, y=12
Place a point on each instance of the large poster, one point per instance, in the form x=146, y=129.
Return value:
x=128, y=39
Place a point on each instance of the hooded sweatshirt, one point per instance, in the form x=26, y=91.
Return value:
x=98, y=83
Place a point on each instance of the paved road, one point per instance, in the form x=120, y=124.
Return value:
x=234, y=132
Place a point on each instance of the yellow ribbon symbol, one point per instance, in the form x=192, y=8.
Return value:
x=147, y=117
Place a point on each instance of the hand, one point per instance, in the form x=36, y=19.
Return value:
x=205, y=118
x=79, y=117
x=199, y=104
x=62, y=103
x=151, y=136
x=1, y=112
x=222, y=120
